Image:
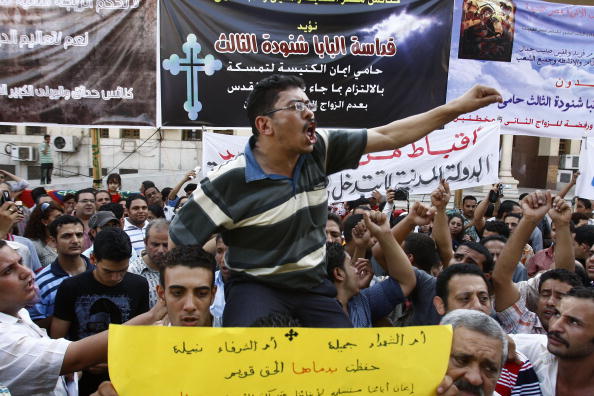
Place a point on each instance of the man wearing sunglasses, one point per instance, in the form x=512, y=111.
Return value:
x=270, y=204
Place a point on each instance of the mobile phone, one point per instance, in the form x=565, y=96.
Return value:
x=5, y=197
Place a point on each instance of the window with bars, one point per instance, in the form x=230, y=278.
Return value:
x=191, y=134
x=129, y=133
x=8, y=129
x=104, y=133
x=35, y=130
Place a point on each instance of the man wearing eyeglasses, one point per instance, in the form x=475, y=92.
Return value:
x=270, y=204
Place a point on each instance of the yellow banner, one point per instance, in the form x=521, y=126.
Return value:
x=184, y=361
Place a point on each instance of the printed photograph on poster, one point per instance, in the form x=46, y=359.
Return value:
x=487, y=30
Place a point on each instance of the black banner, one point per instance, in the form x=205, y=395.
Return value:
x=366, y=62
x=84, y=62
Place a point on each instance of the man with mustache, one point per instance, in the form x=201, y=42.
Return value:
x=270, y=204
x=564, y=358
x=479, y=350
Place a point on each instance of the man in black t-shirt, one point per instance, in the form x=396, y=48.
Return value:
x=88, y=303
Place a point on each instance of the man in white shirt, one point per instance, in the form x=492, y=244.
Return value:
x=564, y=358
x=32, y=363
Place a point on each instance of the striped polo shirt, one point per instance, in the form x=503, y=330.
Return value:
x=48, y=279
x=272, y=224
x=136, y=235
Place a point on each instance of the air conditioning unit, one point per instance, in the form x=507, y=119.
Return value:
x=23, y=153
x=569, y=162
x=564, y=176
x=65, y=143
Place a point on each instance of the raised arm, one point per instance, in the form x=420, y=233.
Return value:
x=568, y=186
x=479, y=213
x=408, y=130
x=561, y=215
x=173, y=193
x=535, y=206
x=397, y=263
x=441, y=232
x=418, y=215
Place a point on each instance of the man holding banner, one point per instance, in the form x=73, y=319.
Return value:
x=270, y=204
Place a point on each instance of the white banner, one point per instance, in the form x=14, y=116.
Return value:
x=584, y=187
x=465, y=156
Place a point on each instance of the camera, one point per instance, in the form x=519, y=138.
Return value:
x=400, y=194
x=5, y=197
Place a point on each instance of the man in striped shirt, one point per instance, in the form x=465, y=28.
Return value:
x=270, y=204
x=67, y=232
x=136, y=222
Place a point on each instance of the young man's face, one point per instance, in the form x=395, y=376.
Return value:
x=333, y=233
x=17, y=285
x=221, y=249
x=511, y=222
x=85, y=207
x=495, y=247
x=465, y=291
x=475, y=362
x=101, y=199
x=549, y=296
x=188, y=294
x=464, y=254
x=69, y=239
x=294, y=131
x=110, y=272
x=138, y=212
x=571, y=330
x=468, y=208
x=69, y=206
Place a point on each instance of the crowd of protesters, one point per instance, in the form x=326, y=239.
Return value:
x=246, y=247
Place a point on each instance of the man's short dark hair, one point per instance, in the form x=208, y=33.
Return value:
x=114, y=208
x=46, y=136
x=84, y=191
x=147, y=184
x=468, y=198
x=581, y=292
x=491, y=238
x=514, y=215
x=585, y=234
x=335, y=218
x=157, y=211
x=191, y=256
x=54, y=226
x=68, y=197
x=165, y=193
x=488, y=264
x=335, y=257
x=348, y=226
x=497, y=226
x=561, y=275
x=443, y=279
x=38, y=192
x=586, y=202
x=506, y=207
x=423, y=249
x=576, y=217
x=134, y=197
x=112, y=243
x=265, y=94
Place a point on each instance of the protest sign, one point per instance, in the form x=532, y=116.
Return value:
x=192, y=361
x=87, y=63
x=538, y=54
x=584, y=187
x=465, y=156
